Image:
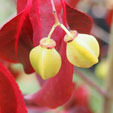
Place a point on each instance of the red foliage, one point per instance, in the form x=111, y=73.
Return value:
x=78, y=20
x=11, y=100
x=73, y=3
x=109, y=17
x=81, y=95
x=79, y=101
x=17, y=39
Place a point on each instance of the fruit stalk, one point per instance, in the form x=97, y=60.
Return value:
x=57, y=23
x=65, y=29
x=54, y=12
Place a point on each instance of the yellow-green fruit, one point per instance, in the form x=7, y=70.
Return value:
x=46, y=61
x=101, y=69
x=83, y=50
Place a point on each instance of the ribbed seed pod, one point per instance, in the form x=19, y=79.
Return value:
x=82, y=50
x=45, y=59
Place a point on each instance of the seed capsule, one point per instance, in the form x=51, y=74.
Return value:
x=45, y=59
x=82, y=50
x=101, y=69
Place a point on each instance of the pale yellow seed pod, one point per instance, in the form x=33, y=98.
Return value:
x=45, y=59
x=101, y=69
x=82, y=50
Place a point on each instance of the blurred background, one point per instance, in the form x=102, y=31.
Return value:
x=85, y=95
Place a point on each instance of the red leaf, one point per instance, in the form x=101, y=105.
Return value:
x=25, y=44
x=73, y=3
x=109, y=17
x=81, y=95
x=11, y=100
x=78, y=103
x=78, y=20
x=64, y=12
x=57, y=90
x=7, y=40
x=79, y=98
x=42, y=19
x=34, y=17
x=17, y=33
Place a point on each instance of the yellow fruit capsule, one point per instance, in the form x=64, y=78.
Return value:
x=101, y=69
x=45, y=59
x=82, y=50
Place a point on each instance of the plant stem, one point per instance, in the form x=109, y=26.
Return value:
x=91, y=83
x=56, y=20
x=66, y=30
x=57, y=23
x=108, y=102
x=54, y=12
x=52, y=30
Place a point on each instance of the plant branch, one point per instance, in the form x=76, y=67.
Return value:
x=52, y=30
x=54, y=12
x=57, y=23
x=108, y=102
x=91, y=83
x=66, y=30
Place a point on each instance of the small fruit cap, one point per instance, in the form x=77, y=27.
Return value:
x=47, y=43
x=67, y=38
